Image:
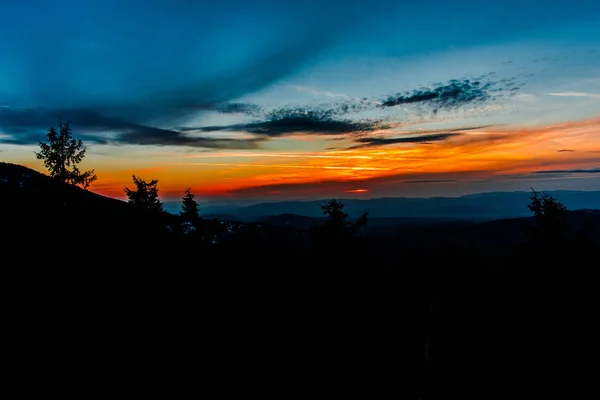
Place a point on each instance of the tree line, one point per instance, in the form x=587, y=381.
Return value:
x=62, y=153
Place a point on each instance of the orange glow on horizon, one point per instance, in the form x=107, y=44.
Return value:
x=488, y=152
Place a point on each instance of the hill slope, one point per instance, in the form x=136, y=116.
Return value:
x=37, y=210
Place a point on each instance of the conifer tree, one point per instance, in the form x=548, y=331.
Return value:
x=62, y=153
x=145, y=195
x=189, y=206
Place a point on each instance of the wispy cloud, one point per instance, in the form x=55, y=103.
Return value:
x=290, y=166
x=374, y=141
x=231, y=108
x=27, y=126
x=307, y=89
x=454, y=93
x=344, y=156
x=285, y=121
x=575, y=94
x=570, y=171
x=432, y=181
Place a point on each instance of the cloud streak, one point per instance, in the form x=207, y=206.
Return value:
x=570, y=171
x=231, y=108
x=27, y=126
x=292, y=124
x=575, y=94
x=370, y=141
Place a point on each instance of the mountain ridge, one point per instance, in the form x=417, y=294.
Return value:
x=478, y=206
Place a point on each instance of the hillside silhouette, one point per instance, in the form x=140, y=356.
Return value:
x=40, y=213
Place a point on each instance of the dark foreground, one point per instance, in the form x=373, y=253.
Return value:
x=254, y=317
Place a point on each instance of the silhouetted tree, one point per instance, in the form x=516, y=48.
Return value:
x=360, y=224
x=550, y=215
x=334, y=210
x=61, y=155
x=189, y=207
x=145, y=196
x=337, y=227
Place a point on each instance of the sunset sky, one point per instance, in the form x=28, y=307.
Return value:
x=267, y=100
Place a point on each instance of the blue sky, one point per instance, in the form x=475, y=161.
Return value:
x=233, y=81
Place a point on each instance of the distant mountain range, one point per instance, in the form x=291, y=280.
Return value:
x=474, y=207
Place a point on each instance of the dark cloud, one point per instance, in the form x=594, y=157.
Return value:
x=309, y=124
x=146, y=135
x=27, y=126
x=287, y=121
x=370, y=141
x=566, y=151
x=570, y=171
x=458, y=129
x=454, y=93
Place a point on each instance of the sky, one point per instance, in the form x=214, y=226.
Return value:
x=277, y=100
